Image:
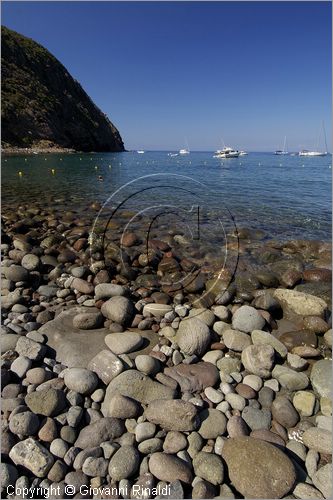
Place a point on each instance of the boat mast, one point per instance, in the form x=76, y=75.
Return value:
x=325, y=137
x=284, y=143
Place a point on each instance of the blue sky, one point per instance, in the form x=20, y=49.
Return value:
x=247, y=72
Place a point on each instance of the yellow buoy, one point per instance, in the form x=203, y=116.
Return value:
x=52, y=171
x=20, y=173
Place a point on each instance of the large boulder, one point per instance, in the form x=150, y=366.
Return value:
x=258, y=469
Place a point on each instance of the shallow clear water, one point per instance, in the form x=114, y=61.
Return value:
x=288, y=197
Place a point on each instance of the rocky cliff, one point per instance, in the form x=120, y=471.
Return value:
x=44, y=107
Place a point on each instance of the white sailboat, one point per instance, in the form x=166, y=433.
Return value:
x=284, y=150
x=306, y=152
x=140, y=151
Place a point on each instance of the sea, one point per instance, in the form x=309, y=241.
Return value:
x=285, y=197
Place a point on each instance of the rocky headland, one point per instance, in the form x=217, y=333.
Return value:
x=43, y=108
x=115, y=380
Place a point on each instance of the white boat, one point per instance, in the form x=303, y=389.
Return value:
x=172, y=154
x=243, y=153
x=226, y=152
x=284, y=150
x=306, y=152
x=186, y=150
x=140, y=151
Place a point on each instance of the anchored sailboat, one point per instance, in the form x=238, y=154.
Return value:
x=284, y=150
x=306, y=152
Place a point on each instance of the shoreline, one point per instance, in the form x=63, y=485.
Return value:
x=168, y=383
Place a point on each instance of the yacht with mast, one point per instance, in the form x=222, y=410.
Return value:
x=284, y=150
x=306, y=152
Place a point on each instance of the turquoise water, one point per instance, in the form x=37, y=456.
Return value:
x=288, y=197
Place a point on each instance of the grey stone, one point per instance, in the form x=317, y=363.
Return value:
x=289, y=379
x=59, y=448
x=73, y=347
x=284, y=412
x=259, y=360
x=88, y=321
x=174, y=414
x=8, y=342
x=147, y=364
x=100, y=431
x=80, y=380
x=16, y=273
x=8, y=476
x=20, y=366
x=322, y=479
x=213, y=423
x=30, y=262
x=158, y=310
x=124, y=463
x=29, y=348
x=25, y=423
x=321, y=377
x=169, y=468
x=261, y=337
x=193, y=336
x=106, y=365
x=107, y=290
x=137, y=386
x=33, y=456
x=118, y=309
x=120, y=407
x=209, y=467
x=95, y=467
x=236, y=340
x=47, y=402
x=303, y=304
x=123, y=343
x=248, y=458
x=257, y=419
x=318, y=439
x=247, y=319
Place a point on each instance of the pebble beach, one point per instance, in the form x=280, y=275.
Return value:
x=138, y=366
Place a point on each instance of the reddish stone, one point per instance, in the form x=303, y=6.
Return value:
x=129, y=240
x=217, y=346
x=318, y=274
x=305, y=351
x=158, y=355
x=80, y=244
x=266, y=435
x=246, y=391
x=194, y=378
x=159, y=245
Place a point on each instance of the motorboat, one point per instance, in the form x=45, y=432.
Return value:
x=140, y=151
x=227, y=152
x=243, y=153
x=184, y=151
x=305, y=152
